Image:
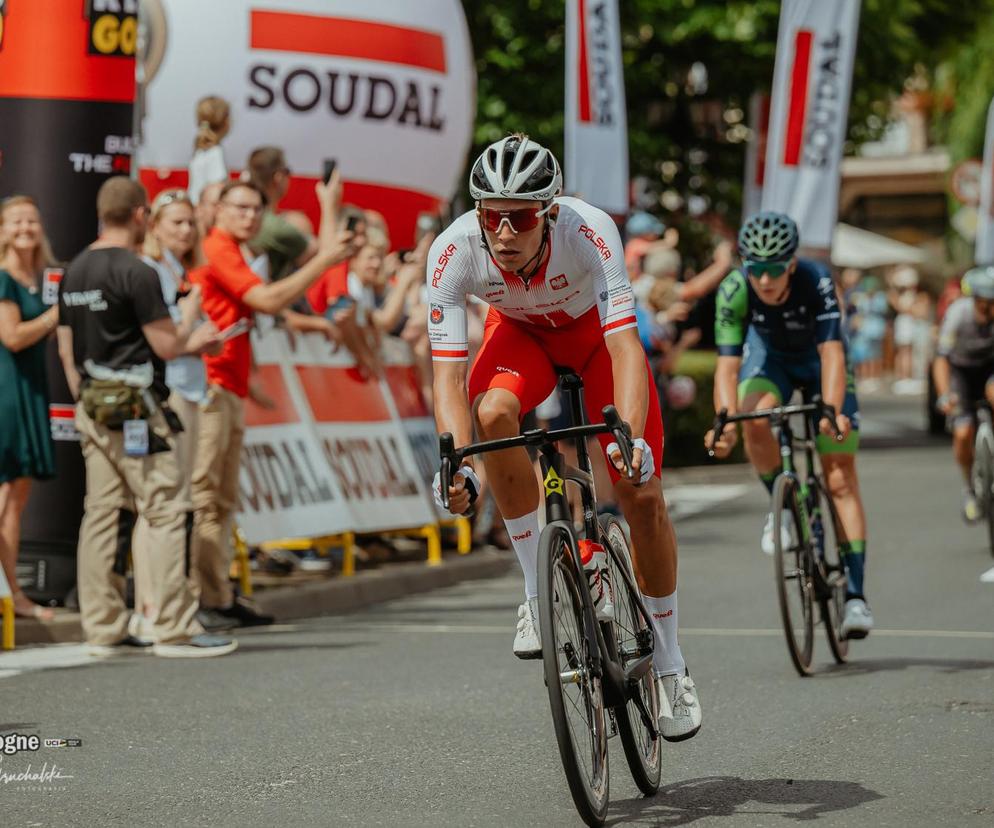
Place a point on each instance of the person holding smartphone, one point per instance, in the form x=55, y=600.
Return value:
x=233, y=292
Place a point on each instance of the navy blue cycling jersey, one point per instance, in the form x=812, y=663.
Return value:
x=809, y=316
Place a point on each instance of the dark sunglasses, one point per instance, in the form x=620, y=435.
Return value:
x=520, y=221
x=772, y=269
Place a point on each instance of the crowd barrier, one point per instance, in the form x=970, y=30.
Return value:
x=339, y=454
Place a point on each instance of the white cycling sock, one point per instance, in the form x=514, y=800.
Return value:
x=667, y=660
x=524, y=533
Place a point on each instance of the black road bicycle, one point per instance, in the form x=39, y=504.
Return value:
x=983, y=469
x=598, y=673
x=809, y=569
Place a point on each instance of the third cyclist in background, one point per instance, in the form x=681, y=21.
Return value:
x=778, y=328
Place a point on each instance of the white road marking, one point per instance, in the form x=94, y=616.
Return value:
x=694, y=498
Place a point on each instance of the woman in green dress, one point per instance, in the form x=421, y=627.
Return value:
x=26, y=450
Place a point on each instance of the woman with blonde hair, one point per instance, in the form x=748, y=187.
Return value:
x=172, y=248
x=26, y=450
x=207, y=164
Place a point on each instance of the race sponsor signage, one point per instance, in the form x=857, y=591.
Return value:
x=985, y=218
x=812, y=79
x=334, y=454
x=387, y=90
x=596, y=136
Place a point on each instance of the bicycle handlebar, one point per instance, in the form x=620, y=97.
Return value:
x=452, y=457
x=816, y=406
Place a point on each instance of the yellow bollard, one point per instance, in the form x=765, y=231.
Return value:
x=348, y=554
x=433, y=535
x=7, y=636
x=464, y=542
x=242, y=557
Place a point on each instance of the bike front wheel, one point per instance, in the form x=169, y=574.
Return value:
x=794, y=564
x=983, y=477
x=575, y=695
x=630, y=638
x=833, y=603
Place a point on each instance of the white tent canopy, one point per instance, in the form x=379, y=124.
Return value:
x=852, y=247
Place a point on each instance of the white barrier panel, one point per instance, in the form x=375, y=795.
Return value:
x=333, y=455
x=985, y=222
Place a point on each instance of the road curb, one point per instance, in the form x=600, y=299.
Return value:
x=335, y=596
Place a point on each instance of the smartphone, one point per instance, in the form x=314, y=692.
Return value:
x=352, y=223
x=235, y=329
x=50, y=280
x=329, y=169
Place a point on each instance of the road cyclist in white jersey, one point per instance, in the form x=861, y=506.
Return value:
x=552, y=271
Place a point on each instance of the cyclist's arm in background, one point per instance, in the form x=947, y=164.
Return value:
x=729, y=335
x=828, y=336
x=960, y=310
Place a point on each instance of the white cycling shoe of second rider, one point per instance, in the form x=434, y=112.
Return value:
x=679, y=707
x=527, y=641
x=857, y=620
x=786, y=537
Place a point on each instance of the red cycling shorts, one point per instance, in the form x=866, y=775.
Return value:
x=521, y=357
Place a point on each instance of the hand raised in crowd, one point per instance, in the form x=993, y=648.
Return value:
x=330, y=194
x=205, y=339
x=678, y=312
x=725, y=443
x=723, y=254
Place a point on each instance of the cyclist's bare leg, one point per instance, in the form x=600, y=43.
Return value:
x=964, y=435
x=510, y=472
x=653, y=538
x=760, y=444
x=843, y=485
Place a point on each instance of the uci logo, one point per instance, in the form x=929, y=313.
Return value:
x=113, y=27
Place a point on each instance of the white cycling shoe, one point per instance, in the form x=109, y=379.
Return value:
x=599, y=582
x=786, y=536
x=527, y=641
x=857, y=621
x=679, y=707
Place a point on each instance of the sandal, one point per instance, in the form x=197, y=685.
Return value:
x=33, y=610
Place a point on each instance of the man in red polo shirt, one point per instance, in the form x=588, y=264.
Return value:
x=232, y=293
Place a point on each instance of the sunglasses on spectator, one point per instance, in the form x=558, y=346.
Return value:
x=772, y=269
x=520, y=221
x=167, y=197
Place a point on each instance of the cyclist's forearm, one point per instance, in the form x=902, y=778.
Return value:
x=833, y=374
x=726, y=377
x=631, y=387
x=940, y=374
x=452, y=411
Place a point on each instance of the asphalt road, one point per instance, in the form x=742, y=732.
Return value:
x=415, y=713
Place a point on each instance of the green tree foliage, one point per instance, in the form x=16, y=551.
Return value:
x=688, y=137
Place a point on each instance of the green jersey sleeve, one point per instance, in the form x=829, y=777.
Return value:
x=730, y=314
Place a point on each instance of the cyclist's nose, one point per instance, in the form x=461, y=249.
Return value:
x=505, y=233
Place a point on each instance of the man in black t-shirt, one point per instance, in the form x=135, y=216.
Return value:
x=115, y=333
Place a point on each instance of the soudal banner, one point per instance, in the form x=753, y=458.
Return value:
x=596, y=139
x=985, y=218
x=335, y=453
x=812, y=78
x=386, y=89
x=755, y=166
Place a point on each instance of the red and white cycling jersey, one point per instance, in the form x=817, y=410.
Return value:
x=586, y=267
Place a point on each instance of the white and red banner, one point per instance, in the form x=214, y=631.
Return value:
x=812, y=78
x=985, y=216
x=387, y=89
x=596, y=139
x=755, y=165
x=337, y=452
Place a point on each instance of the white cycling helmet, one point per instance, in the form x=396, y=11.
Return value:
x=515, y=167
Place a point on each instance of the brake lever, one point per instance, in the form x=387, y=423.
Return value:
x=622, y=433
x=827, y=413
x=717, y=429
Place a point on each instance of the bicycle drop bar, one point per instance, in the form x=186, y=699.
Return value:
x=816, y=406
x=452, y=457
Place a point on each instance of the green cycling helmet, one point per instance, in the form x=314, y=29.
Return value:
x=979, y=282
x=768, y=237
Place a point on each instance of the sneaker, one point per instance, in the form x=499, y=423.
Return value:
x=857, y=621
x=244, y=616
x=786, y=538
x=141, y=628
x=988, y=576
x=129, y=645
x=527, y=642
x=594, y=560
x=212, y=620
x=204, y=645
x=679, y=707
x=971, y=508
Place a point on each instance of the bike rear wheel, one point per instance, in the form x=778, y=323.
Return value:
x=575, y=696
x=834, y=572
x=983, y=475
x=630, y=638
x=795, y=584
